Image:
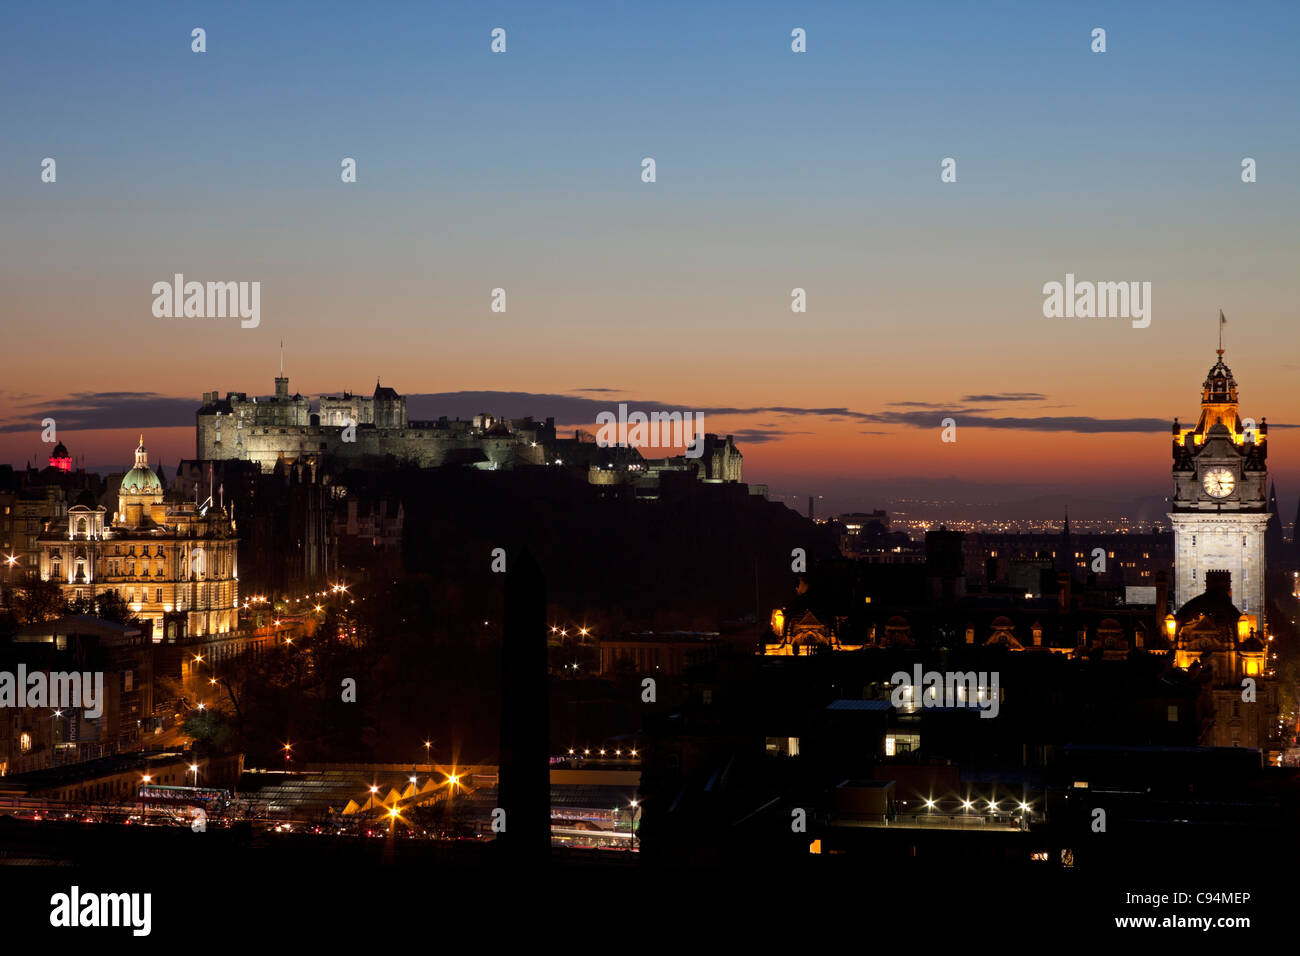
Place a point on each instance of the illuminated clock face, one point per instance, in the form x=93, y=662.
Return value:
x=1219, y=482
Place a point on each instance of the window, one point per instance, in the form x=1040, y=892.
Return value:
x=159, y=596
x=25, y=742
x=901, y=744
x=1171, y=714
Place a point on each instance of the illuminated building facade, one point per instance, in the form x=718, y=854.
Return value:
x=175, y=564
x=1216, y=641
x=1220, y=503
x=60, y=458
x=285, y=428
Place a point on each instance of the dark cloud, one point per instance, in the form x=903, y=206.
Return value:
x=1044, y=423
x=761, y=436
x=105, y=410
x=1006, y=397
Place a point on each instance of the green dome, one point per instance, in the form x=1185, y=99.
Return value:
x=142, y=478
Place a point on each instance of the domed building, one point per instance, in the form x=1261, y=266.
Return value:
x=60, y=459
x=141, y=493
x=174, y=563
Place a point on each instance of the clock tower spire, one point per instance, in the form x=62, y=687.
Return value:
x=1219, y=508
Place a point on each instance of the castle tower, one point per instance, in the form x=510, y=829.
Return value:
x=1219, y=509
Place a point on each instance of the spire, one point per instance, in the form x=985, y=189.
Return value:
x=1065, y=529
x=1222, y=323
x=282, y=358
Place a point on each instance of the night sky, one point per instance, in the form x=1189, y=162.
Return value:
x=775, y=170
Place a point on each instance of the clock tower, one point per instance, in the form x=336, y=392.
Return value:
x=1219, y=509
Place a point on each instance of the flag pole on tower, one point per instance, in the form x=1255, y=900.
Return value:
x=1222, y=323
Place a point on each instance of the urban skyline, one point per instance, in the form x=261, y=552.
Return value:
x=691, y=468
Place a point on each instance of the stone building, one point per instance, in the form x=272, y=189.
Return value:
x=37, y=738
x=1219, y=507
x=347, y=426
x=1215, y=640
x=174, y=563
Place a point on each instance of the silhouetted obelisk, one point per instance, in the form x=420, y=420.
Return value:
x=524, y=787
